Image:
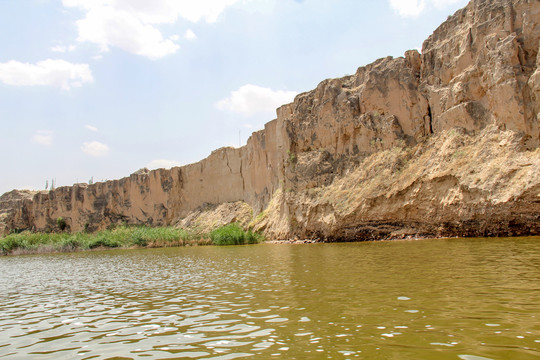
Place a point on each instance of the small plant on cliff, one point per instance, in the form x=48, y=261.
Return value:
x=458, y=154
x=261, y=216
x=61, y=223
x=292, y=157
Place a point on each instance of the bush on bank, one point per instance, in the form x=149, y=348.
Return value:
x=122, y=237
x=233, y=234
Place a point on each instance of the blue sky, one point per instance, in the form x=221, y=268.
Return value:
x=101, y=88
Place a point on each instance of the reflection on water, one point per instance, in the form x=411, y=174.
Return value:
x=468, y=299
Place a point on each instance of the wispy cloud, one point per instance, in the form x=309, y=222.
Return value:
x=58, y=48
x=162, y=164
x=56, y=73
x=90, y=127
x=95, y=148
x=43, y=137
x=63, y=48
x=251, y=99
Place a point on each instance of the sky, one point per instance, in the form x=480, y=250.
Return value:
x=97, y=89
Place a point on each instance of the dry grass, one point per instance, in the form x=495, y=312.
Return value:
x=491, y=162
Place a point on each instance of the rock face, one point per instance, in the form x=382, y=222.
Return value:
x=441, y=143
x=10, y=202
x=476, y=67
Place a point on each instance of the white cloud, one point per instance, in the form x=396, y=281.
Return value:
x=43, y=137
x=190, y=35
x=250, y=99
x=162, y=164
x=108, y=27
x=90, y=127
x=131, y=25
x=95, y=148
x=58, y=73
x=413, y=8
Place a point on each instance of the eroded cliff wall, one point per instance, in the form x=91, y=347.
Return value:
x=439, y=143
x=470, y=101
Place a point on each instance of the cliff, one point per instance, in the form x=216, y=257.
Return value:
x=9, y=203
x=441, y=143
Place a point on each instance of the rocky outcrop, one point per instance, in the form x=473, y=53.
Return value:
x=9, y=203
x=453, y=184
x=477, y=65
x=207, y=218
x=434, y=144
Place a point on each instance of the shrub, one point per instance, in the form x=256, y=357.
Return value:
x=292, y=157
x=95, y=243
x=139, y=239
x=61, y=223
x=8, y=243
x=253, y=237
x=69, y=244
x=233, y=234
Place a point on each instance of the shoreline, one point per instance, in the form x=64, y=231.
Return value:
x=392, y=239
x=409, y=238
x=158, y=244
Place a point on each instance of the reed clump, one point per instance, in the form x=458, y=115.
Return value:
x=233, y=234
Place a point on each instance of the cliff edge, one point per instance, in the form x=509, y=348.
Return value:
x=443, y=143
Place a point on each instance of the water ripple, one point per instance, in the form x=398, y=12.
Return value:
x=297, y=302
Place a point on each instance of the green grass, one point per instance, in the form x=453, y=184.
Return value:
x=122, y=237
x=233, y=234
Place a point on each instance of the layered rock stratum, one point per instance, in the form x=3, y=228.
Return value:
x=442, y=143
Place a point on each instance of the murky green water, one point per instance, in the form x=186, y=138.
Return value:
x=457, y=299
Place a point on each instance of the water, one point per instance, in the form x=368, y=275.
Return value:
x=469, y=299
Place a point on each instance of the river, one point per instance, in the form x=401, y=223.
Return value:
x=468, y=299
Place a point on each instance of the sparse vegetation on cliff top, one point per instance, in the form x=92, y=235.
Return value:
x=123, y=237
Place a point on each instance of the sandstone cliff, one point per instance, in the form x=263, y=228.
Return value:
x=441, y=143
x=9, y=203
